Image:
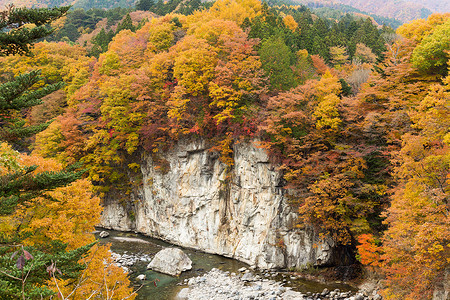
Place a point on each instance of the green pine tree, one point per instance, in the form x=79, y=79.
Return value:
x=15, y=38
x=127, y=23
x=15, y=96
x=24, y=270
x=144, y=4
x=275, y=58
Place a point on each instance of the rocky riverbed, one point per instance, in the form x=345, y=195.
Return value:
x=125, y=260
x=223, y=285
x=133, y=252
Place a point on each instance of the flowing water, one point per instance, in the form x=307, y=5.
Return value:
x=164, y=287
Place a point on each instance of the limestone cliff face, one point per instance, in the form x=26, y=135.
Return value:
x=192, y=205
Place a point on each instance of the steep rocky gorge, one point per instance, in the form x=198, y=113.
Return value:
x=191, y=204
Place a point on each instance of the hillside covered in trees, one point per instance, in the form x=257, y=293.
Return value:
x=354, y=115
x=403, y=10
x=85, y=4
x=324, y=8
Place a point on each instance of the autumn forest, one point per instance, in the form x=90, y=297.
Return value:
x=355, y=115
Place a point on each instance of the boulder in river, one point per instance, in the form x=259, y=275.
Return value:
x=141, y=277
x=104, y=234
x=170, y=261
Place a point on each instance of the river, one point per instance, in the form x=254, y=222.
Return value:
x=164, y=287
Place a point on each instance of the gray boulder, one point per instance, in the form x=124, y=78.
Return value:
x=183, y=294
x=170, y=261
x=141, y=277
x=248, y=277
x=104, y=234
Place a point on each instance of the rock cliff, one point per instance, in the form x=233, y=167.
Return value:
x=191, y=204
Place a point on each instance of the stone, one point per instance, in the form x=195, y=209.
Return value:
x=170, y=261
x=125, y=269
x=141, y=277
x=104, y=234
x=359, y=296
x=369, y=287
x=442, y=290
x=325, y=292
x=242, y=270
x=183, y=294
x=248, y=277
x=292, y=295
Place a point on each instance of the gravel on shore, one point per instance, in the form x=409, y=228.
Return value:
x=220, y=285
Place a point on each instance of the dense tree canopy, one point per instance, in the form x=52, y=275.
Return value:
x=355, y=117
x=414, y=254
x=47, y=212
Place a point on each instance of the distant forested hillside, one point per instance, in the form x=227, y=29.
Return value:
x=398, y=9
x=387, y=12
x=336, y=11
x=85, y=4
x=435, y=5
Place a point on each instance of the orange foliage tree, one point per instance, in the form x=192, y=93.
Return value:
x=325, y=177
x=409, y=108
x=416, y=244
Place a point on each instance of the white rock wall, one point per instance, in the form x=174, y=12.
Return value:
x=192, y=206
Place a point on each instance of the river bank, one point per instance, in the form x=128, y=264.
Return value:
x=220, y=285
x=133, y=252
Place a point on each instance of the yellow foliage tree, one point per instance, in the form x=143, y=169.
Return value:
x=57, y=61
x=235, y=10
x=417, y=252
x=418, y=29
x=364, y=54
x=326, y=112
x=67, y=214
x=290, y=23
x=101, y=279
x=194, y=64
x=338, y=55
